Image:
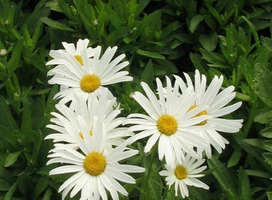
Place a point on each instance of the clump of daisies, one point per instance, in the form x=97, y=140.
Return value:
x=89, y=139
x=183, y=118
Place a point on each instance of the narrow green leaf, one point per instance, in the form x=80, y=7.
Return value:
x=26, y=124
x=119, y=33
x=56, y=24
x=264, y=116
x=141, y=7
x=196, y=60
x=147, y=75
x=150, y=54
x=253, y=31
x=6, y=119
x=235, y=158
x=11, y=158
x=171, y=28
x=214, y=58
x=247, y=70
x=13, y=62
x=10, y=192
x=47, y=195
x=244, y=185
x=222, y=176
x=195, y=21
x=114, y=18
x=40, y=187
x=258, y=173
x=267, y=132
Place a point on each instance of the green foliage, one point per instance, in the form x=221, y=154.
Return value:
x=159, y=38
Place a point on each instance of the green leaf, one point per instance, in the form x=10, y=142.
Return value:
x=209, y=41
x=244, y=185
x=114, y=18
x=195, y=21
x=26, y=124
x=263, y=144
x=141, y=7
x=10, y=192
x=6, y=175
x=235, y=157
x=247, y=70
x=267, y=42
x=13, y=62
x=253, y=31
x=222, y=176
x=269, y=195
x=262, y=79
x=268, y=157
x=171, y=28
x=4, y=185
x=6, y=118
x=119, y=33
x=147, y=75
x=56, y=24
x=265, y=116
x=214, y=58
x=196, y=60
x=257, y=173
x=11, y=158
x=150, y=54
x=41, y=185
x=47, y=195
x=267, y=132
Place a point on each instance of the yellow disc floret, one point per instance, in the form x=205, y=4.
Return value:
x=204, y=112
x=95, y=163
x=89, y=83
x=167, y=124
x=181, y=172
x=79, y=59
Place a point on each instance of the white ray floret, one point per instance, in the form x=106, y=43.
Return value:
x=89, y=76
x=168, y=121
x=95, y=168
x=184, y=173
x=70, y=122
x=216, y=104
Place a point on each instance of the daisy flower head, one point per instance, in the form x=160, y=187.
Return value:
x=184, y=173
x=69, y=122
x=81, y=53
x=216, y=103
x=89, y=78
x=167, y=121
x=95, y=168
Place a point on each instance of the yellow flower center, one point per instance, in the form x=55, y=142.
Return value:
x=95, y=163
x=167, y=124
x=81, y=135
x=89, y=83
x=204, y=112
x=181, y=172
x=79, y=59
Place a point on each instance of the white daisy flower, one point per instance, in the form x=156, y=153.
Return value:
x=183, y=174
x=81, y=52
x=167, y=121
x=67, y=122
x=95, y=168
x=216, y=106
x=86, y=80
